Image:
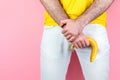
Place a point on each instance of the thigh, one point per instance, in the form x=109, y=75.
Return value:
x=99, y=69
x=54, y=54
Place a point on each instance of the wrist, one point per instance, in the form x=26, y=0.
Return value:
x=83, y=20
x=81, y=24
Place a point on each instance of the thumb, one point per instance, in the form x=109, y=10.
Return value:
x=63, y=22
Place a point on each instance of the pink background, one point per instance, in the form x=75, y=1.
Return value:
x=21, y=27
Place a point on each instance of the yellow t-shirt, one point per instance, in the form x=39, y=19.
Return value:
x=74, y=8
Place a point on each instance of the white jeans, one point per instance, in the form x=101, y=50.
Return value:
x=55, y=54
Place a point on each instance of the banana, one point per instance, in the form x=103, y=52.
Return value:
x=94, y=47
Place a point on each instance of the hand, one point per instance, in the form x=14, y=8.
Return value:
x=81, y=41
x=71, y=29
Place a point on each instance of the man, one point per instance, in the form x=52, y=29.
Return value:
x=70, y=22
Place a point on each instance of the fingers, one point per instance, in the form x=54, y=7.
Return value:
x=76, y=45
x=87, y=42
x=69, y=36
x=65, y=33
x=71, y=39
x=81, y=43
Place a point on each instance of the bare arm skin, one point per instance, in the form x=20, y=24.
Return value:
x=55, y=9
x=95, y=10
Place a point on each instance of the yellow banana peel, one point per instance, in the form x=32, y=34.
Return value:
x=94, y=47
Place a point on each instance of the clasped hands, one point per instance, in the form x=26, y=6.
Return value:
x=72, y=30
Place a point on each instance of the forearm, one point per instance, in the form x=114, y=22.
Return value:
x=55, y=9
x=95, y=10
